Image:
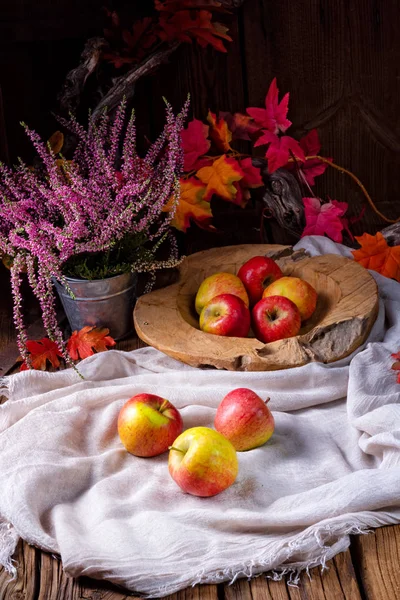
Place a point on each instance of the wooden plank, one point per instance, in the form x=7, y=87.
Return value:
x=378, y=558
x=26, y=583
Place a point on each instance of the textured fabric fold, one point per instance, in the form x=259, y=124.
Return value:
x=331, y=469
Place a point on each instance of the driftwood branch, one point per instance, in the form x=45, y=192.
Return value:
x=282, y=198
x=392, y=234
x=124, y=86
x=70, y=95
x=283, y=201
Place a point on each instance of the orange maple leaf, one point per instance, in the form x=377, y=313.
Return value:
x=88, y=340
x=375, y=254
x=40, y=352
x=220, y=178
x=219, y=132
x=191, y=205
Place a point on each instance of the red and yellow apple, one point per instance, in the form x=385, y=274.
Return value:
x=257, y=274
x=275, y=318
x=244, y=419
x=298, y=291
x=219, y=283
x=203, y=462
x=226, y=314
x=148, y=424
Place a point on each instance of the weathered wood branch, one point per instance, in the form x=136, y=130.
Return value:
x=70, y=95
x=124, y=86
x=392, y=234
x=283, y=200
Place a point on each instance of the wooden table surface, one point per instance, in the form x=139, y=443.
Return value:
x=368, y=570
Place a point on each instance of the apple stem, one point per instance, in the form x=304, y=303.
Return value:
x=177, y=449
x=164, y=405
x=267, y=400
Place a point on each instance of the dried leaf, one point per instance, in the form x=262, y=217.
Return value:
x=375, y=254
x=194, y=142
x=87, y=341
x=273, y=116
x=186, y=26
x=242, y=126
x=324, y=218
x=280, y=149
x=220, y=178
x=40, y=352
x=191, y=206
x=219, y=132
x=56, y=141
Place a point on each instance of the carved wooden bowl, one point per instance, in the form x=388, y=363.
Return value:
x=346, y=310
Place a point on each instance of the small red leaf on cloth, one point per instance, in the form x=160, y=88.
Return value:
x=40, y=352
x=396, y=365
x=194, y=142
x=280, y=149
x=324, y=218
x=273, y=116
x=376, y=255
x=88, y=340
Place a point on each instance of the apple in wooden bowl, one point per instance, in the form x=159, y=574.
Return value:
x=347, y=305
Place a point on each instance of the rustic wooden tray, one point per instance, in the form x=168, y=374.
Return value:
x=346, y=310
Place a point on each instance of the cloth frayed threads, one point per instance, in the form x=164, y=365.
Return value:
x=322, y=535
x=8, y=543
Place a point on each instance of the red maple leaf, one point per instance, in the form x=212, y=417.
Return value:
x=313, y=167
x=40, y=352
x=194, y=142
x=324, y=218
x=273, y=116
x=187, y=26
x=88, y=340
x=396, y=365
x=280, y=149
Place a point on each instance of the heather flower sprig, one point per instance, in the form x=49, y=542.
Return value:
x=104, y=207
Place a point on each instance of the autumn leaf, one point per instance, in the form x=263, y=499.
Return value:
x=187, y=26
x=56, y=142
x=251, y=179
x=324, y=218
x=311, y=146
x=88, y=340
x=280, y=149
x=191, y=206
x=176, y=5
x=242, y=126
x=376, y=255
x=273, y=116
x=40, y=352
x=219, y=132
x=396, y=365
x=194, y=142
x=220, y=178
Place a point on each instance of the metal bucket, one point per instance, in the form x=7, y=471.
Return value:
x=101, y=302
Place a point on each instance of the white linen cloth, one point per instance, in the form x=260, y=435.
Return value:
x=332, y=467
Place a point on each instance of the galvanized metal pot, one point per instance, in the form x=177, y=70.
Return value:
x=101, y=302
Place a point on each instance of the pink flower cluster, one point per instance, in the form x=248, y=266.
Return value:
x=85, y=205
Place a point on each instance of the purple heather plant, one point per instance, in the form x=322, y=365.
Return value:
x=105, y=206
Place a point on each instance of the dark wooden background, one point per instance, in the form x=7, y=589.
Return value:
x=339, y=60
